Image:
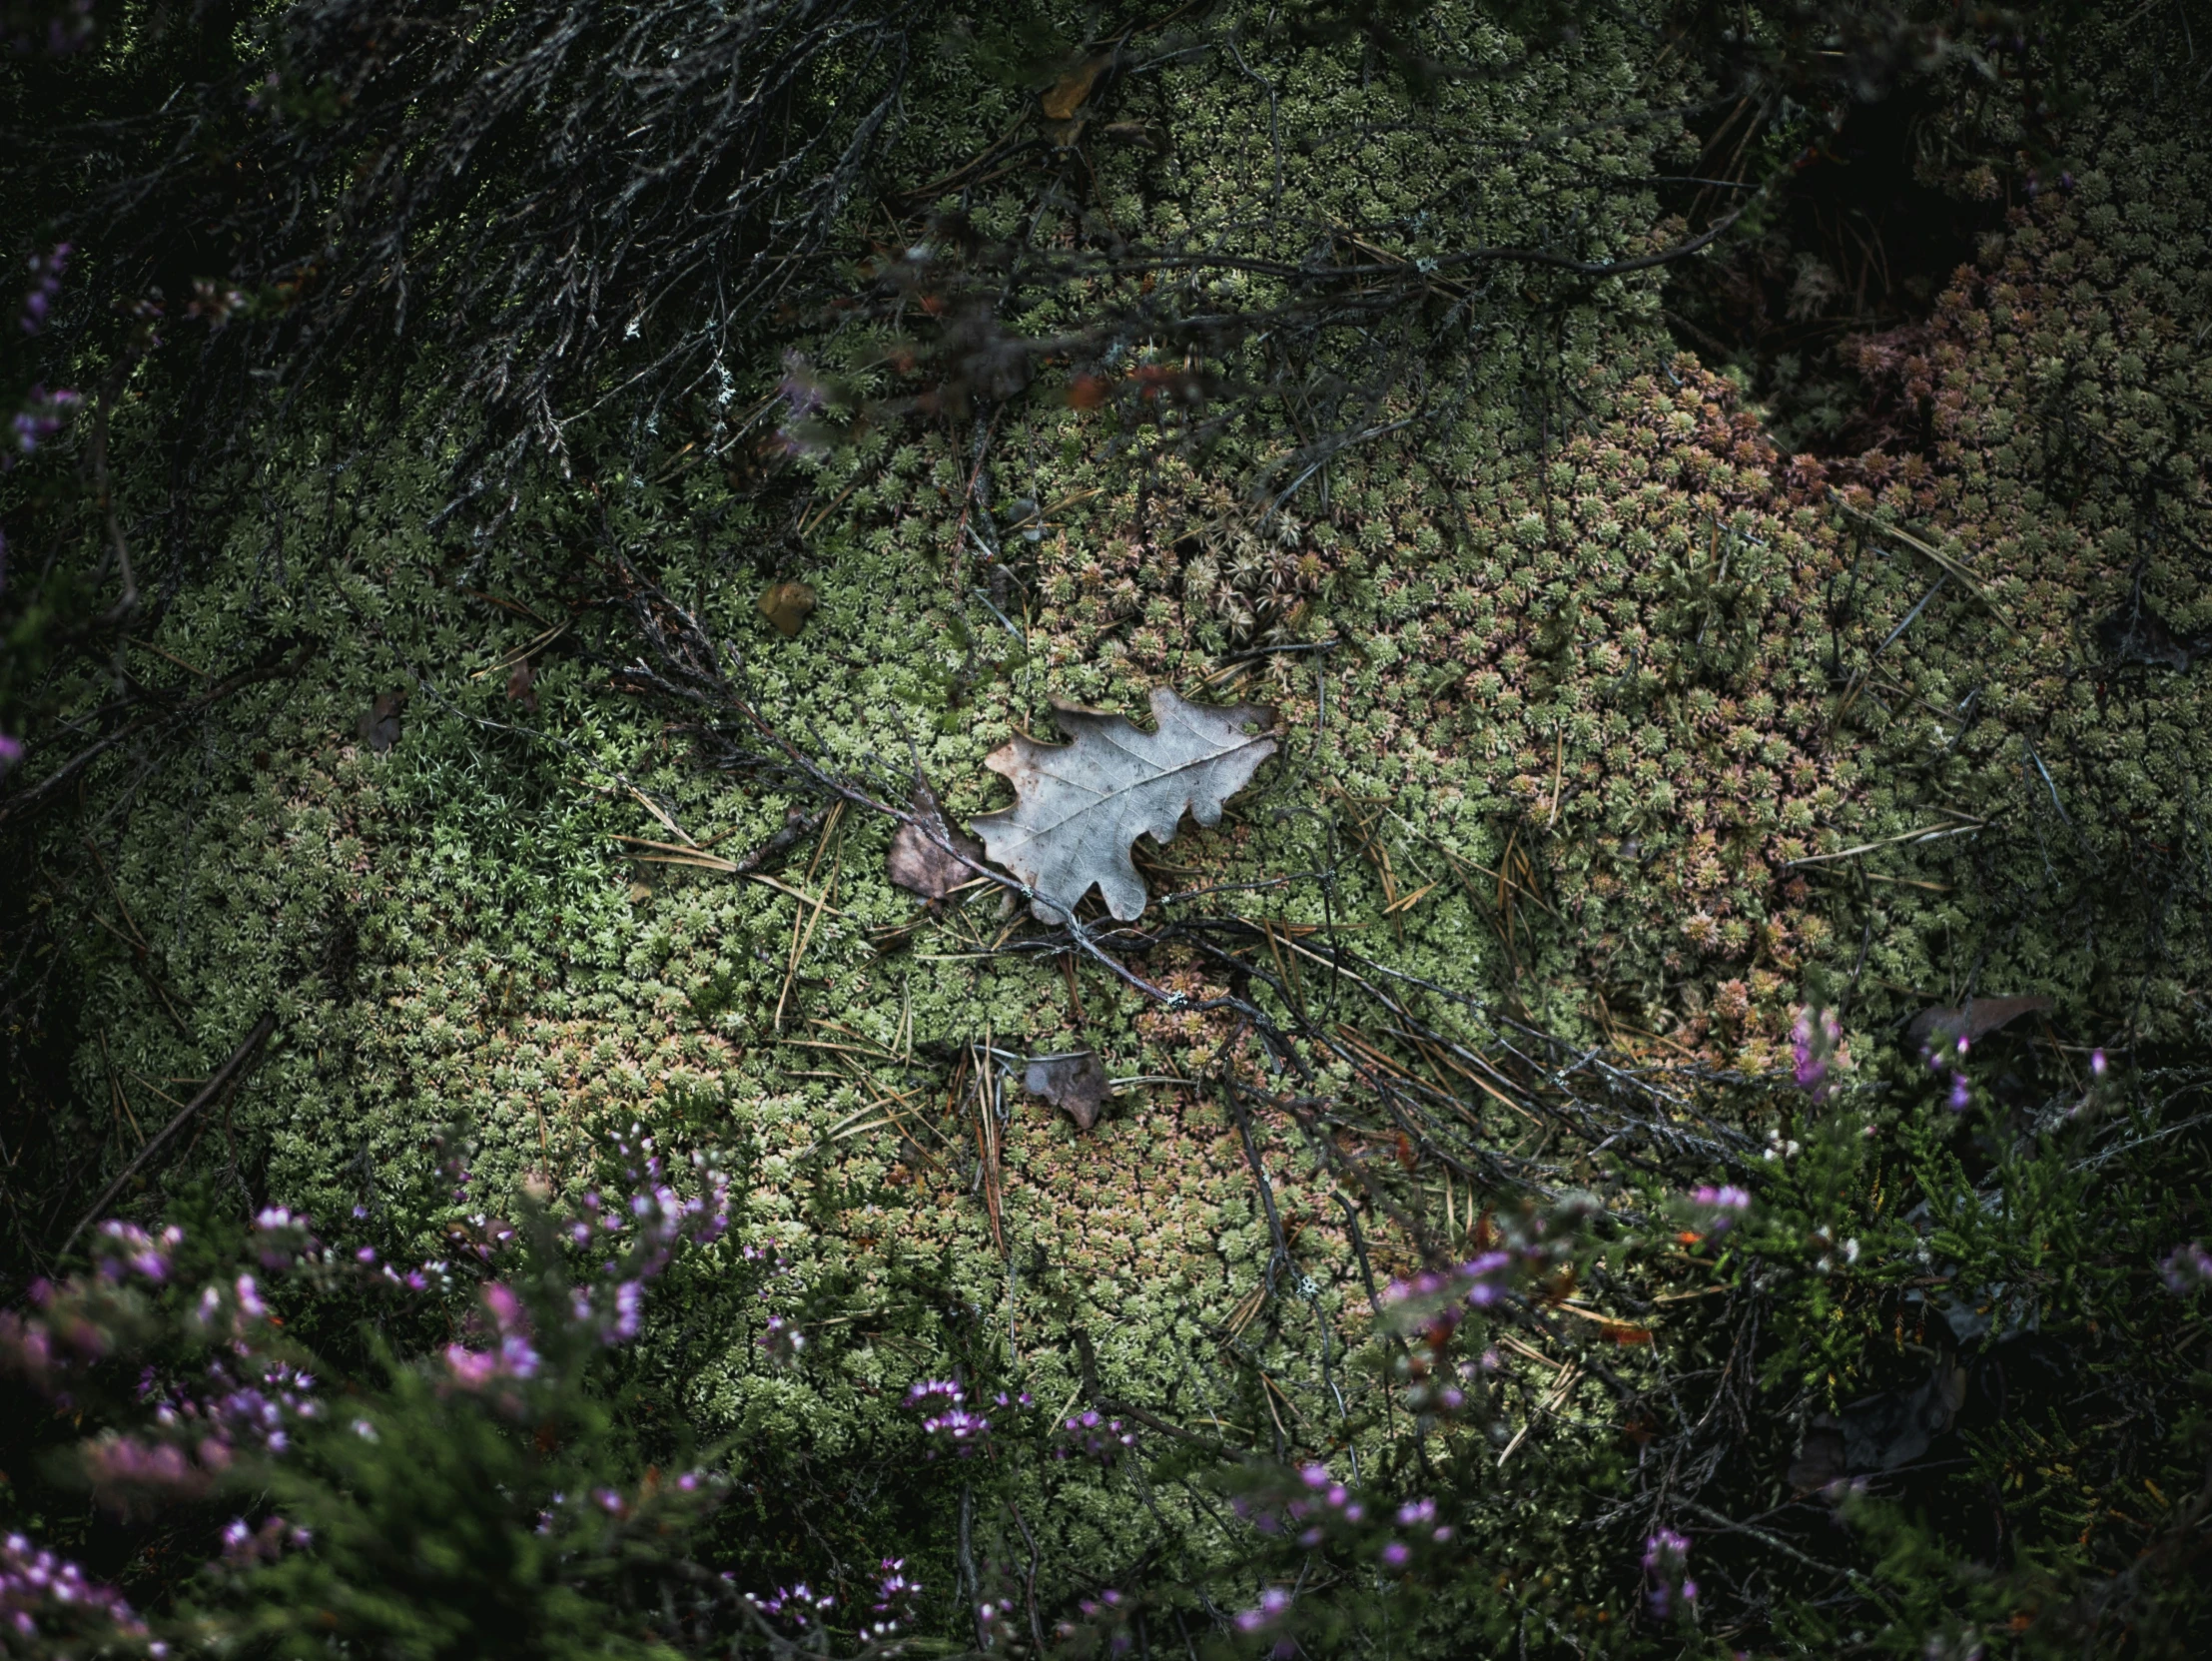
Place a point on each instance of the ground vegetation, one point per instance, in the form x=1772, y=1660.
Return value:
x=1666, y=1116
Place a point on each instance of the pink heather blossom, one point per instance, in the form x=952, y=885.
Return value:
x=1090, y=1435
x=124, y=1248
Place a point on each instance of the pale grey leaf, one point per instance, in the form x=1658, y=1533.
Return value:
x=1080, y=805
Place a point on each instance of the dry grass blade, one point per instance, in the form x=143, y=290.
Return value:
x=1926, y=833
x=522, y=654
x=803, y=921
x=986, y=1101
x=1957, y=569
x=1554, y=1400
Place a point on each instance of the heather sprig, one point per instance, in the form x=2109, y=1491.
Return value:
x=1092, y=1436
x=1668, y=1585
x=1530, y=1253
x=954, y=1425
x=1312, y=1508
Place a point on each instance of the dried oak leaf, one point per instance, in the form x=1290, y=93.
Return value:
x=920, y=860
x=1072, y=90
x=1075, y=1083
x=1944, y=1026
x=1080, y=805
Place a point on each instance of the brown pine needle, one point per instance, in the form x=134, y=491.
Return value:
x=1558, y=763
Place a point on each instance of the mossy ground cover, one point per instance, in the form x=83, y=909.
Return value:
x=1598, y=711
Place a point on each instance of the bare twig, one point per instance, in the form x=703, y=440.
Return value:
x=224, y=1079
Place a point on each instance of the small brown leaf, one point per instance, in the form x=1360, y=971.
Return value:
x=786, y=605
x=1075, y=1083
x=380, y=727
x=522, y=685
x=1944, y=1026
x=1067, y=94
x=1136, y=132
x=1881, y=1433
x=920, y=863
x=2137, y=635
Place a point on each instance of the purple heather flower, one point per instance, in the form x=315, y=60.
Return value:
x=1720, y=1208
x=1666, y=1555
x=42, y=415
x=1813, y=1042
x=1273, y=1602
x=44, y=1596
x=124, y=1248
x=47, y=271
x=2188, y=1269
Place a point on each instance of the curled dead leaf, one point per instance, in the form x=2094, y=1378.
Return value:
x=380, y=728
x=522, y=685
x=1075, y=1083
x=786, y=605
x=2137, y=635
x=922, y=860
x=1944, y=1026
x=1081, y=806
